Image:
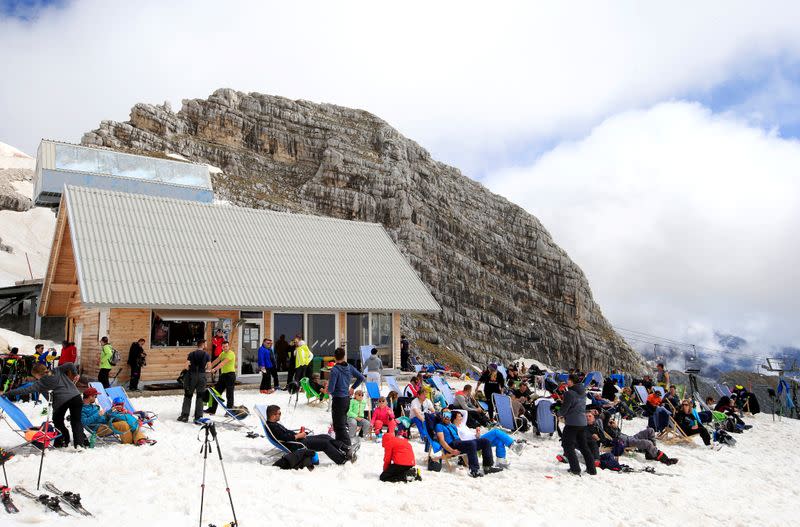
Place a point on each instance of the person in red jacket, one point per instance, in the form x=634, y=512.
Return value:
x=398, y=460
x=69, y=353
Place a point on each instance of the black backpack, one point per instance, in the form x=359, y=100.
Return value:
x=302, y=458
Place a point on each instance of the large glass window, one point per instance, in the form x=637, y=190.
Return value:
x=321, y=336
x=176, y=332
x=381, y=324
x=357, y=336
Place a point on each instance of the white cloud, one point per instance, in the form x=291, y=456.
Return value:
x=681, y=219
x=466, y=79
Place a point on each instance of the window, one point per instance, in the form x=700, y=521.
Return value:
x=381, y=324
x=176, y=332
x=321, y=334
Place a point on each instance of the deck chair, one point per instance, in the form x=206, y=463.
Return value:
x=619, y=379
x=417, y=368
x=641, y=392
x=660, y=390
x=505, y=413
x=722, y=390
x=312, y=396
x=432, y=446
x=102, y=397
x=673, y=433
x=593, y=376
x=278, y=448
x=374, y=393
x=232, y=419
x=444, y=388
x=545, y=419
x=33, y=436
x=147, y=418
x=391, y=381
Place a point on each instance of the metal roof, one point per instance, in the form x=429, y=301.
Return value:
x=144, y=251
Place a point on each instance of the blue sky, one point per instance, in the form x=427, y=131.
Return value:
x=578, y=116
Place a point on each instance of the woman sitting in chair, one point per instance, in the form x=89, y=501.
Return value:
x=382, y=416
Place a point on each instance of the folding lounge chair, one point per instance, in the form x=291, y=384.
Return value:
x=545, y=419
x=147, y=418
x=432, y=446
x=444, y=388
x=722, y=390
x=32, y=435
x=502, y=370
x=312, y=396
x=505, y=413
x=660, y=390
x=278, y=448
x=391, y=381
x=102, y=397
x=231, y=418
x=374, y=393
x=641, y=392
x=673, y=433
x=593, y=376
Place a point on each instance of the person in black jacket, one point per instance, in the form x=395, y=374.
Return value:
x=136, y=359
x=687, y=422
x=337, y=451
x=573, y=410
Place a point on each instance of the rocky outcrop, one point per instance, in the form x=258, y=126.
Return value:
x=506, y=289
x=10, y=197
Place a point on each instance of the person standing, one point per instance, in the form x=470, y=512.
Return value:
x=69, y=353
x=195, y=381
x=662, y=376
x=404, y=353
x=216, y=344
x=303, y=357
x=290, y=359
x=106, y=351
x=65, y=398
x=269, y=367
x=282, y=351
x=136, y=359
x=573, y=410
x=340, y=391
x=226, y=364
x=494, y=383
x=373, y=367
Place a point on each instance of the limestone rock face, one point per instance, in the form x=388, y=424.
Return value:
x=506, y=289
x=11, y=182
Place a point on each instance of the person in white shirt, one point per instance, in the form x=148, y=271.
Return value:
x=419, y=407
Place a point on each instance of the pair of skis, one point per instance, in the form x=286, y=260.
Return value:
x=51, y=502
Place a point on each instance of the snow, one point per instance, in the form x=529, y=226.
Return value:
x=160, y=484
x=28, y=232
x=212, y=169
x=26, y=344
x=176, y=156
x=10, y=157
x=23, y=187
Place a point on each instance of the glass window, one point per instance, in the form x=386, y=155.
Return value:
x=321, y=334
x=357, y=336
x=382, y=336
x=176, y=332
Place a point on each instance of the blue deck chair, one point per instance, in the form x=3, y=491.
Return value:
x=278, y=448
x=641, y=392
x=145, y=417
x=593, y=376
x=483, y=405
x=34, y=395
x=231, y=418
x=440, y=384
x=417, y=368
x=562, y=377
x=660, y=390
x=545, y=420
x=505, y=413
x=722, y=390
x=502, y=370
x=10, y=411
x=102, y=397
x=619, y=379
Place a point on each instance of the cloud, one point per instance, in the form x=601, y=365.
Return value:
x=479, y=84
x=684, y=221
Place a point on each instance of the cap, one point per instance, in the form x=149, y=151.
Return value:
x=88, y=392
x=118, y=401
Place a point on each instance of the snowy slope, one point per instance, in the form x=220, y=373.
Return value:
x=160, y=485
x=31, y=233
x=10, y=157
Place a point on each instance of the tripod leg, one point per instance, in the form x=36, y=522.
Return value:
x=225, y=476
x=206, y=448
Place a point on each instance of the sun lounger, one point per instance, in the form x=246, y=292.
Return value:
x=102, y=397
x=43, y=435
x=231, y=418
x=444, y=388
x=147, y=418
x=505, y=413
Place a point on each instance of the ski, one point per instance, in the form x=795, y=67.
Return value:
x=51, y=502
x=648, y=470
x=70, y=498
x=8, y=503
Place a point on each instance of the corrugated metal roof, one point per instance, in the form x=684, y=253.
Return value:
x=135, y=250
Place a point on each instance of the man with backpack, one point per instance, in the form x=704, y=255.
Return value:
x=106, y=361
x=195, y=381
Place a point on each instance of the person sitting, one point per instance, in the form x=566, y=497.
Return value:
x=337, y=451
x=414, y=387
x=609, y=391
x=476, y=415
x=382, y=416
x=627, y=405
x=399, y=462
x=118, y=413
x=690, y=423
x=499, y=439
x=727, y=405
x=671, y=399
x=643, y=441
x=524, y=393
x=319, y=386
x=447, y=436
x=355, y=414
x=419, y=407
x=524, y=414
x=95, y=419
x=658, y=416
x=594, y=432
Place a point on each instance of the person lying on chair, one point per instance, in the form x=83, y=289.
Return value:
x=447, y=436
x=499, y=439
x=465, y=401
x=335, y=450
x=690, y=423
x=643, y=441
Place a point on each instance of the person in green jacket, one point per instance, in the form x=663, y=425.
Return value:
x=226, y=364
x=106, y=350
x=355, y=415
x=302, y=361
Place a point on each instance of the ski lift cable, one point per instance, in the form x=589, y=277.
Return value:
x=690, y=346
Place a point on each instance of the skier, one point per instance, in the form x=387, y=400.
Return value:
x=66, y=397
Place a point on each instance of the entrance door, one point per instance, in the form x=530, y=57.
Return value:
x=288, y=325
x=357, y=336
x=249, y=342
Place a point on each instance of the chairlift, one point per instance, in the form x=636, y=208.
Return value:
x=691, y=362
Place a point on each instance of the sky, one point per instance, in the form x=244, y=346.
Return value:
x=659, y=144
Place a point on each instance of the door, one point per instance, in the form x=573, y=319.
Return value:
x=357, y=336
x=288, y=325
x=249, y=342
x=321, y=336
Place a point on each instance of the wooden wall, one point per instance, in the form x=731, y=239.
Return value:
x=89, y=346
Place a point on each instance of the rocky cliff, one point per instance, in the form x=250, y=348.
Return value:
x=506, y=289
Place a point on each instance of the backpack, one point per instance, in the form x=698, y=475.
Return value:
x=302, y=458
x=115, y=357
x=609, y=462
x=240, y=412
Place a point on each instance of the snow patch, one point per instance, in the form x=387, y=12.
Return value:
x=30, y=232
x=24, y=188
x=26, y=344
x=212, y=169
x=176, y=156
x=11, y=157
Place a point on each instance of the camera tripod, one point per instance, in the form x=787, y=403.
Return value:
x=211, y=433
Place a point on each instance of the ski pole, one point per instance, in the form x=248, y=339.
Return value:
x=44, y=440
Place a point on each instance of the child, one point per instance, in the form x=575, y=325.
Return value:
x=383, y=416
x=355, y=415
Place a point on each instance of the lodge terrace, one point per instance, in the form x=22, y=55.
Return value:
x=171, y=271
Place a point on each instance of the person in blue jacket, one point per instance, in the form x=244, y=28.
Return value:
x=340, y=391
x=269, y=367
